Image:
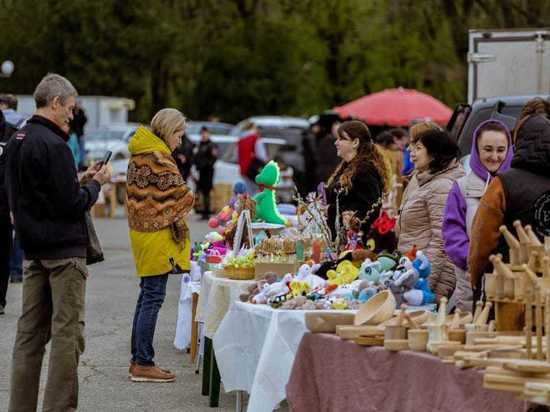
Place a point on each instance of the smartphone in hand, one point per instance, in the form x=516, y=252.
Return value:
x=106, y=158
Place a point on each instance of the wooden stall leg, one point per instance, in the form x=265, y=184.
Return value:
x=215, y=381
x=194, y=327
x=206, y=366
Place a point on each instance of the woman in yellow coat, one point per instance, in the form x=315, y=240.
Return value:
x=158, y=202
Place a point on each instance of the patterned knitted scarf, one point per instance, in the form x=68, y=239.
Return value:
x=157, y=195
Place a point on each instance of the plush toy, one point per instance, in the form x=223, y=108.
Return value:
x=345, y=272
x=381, y=236
x=357, y=257
x=421, y=294
x=305, y=274
x=370, y=271
x=253, y=290
x=266, y=207
x=271, y=291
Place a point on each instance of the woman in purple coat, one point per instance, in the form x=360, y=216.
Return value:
x=491, y=154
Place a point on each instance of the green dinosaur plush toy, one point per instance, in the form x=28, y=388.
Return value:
x=266, y=207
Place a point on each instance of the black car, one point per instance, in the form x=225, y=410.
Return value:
x=466, y=118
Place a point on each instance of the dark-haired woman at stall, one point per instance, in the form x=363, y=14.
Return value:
x=358, y=184
x=434, y=154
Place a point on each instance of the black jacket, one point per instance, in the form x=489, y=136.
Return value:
x=44, y=194
x=183, y=155
x=367, y=188
x=205, y=157
x=6, y=130
x=527, y=184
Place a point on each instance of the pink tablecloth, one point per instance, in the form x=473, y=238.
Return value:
x=333, y=375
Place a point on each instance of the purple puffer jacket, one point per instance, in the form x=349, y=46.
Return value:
x=455, y=231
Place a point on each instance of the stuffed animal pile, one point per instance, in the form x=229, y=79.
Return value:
x=348, y=284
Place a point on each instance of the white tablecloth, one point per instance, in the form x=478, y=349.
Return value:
x=255, y=348
x=215, y=297
x=190, y=283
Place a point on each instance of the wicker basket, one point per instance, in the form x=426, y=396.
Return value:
x=234, y=273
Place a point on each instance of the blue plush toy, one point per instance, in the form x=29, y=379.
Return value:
x=421, y=294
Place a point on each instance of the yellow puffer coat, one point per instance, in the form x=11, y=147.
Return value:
x=158, y=201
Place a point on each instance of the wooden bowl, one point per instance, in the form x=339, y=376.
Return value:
x=376, y=310
x=395, y=332
x=418, y=339
x=457, y=335
x=419, y=316
x=326, y=322
x=395, y=345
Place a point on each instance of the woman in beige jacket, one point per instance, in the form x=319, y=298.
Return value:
x=434, y=154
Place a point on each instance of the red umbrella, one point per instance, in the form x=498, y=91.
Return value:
x=396, y=107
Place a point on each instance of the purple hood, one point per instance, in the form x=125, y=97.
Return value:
x=475, y=163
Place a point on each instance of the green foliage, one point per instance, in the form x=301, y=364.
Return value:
x=235, y=58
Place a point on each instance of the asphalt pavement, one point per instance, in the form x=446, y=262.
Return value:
x=112, y=291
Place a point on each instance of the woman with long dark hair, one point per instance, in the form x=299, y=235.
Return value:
x=358, y=184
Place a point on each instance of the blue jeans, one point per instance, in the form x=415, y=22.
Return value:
x=151, y=297
x=16, y=259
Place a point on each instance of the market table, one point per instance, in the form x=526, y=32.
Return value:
x=334, y=375
x=255, y=347
x=216, y=295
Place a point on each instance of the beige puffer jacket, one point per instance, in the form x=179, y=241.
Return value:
x=420, y=221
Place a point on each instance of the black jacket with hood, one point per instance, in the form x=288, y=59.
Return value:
x=44, y=193
x=527, y=184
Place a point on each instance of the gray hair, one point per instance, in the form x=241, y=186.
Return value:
x=166, y=122
x=51, y=86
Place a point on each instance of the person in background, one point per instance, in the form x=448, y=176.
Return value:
x=49, y=204
x=8, y=105
x=77, y=130
x=357, y=185
x=285, y=187
x=158, y=204
x=401, y=139
x=13, y=121
x=491, y=154
x=205, y=156
x=521, y=193
x=252, y=156
x=434, y=154
x=392, y=154
x=183, y=155
x=5, y=223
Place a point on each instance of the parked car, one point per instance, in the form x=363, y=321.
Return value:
x=466, y=118
x=114, y=138
x=291, y=131
x=215, y=128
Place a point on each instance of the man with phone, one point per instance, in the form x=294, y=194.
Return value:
x=48, y=204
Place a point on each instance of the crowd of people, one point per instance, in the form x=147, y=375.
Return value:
x=451, y=214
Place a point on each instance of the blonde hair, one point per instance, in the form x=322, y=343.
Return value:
x=165, y=123
x=417, y=129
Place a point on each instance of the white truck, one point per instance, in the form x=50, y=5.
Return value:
x=101, y=111
x=508, y=63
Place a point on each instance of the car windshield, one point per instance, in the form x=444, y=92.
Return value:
x=106, y=135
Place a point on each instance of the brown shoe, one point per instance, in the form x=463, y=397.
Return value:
x=131, y=368
x=151, y=374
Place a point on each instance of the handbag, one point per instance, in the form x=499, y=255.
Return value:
x=94, y=252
